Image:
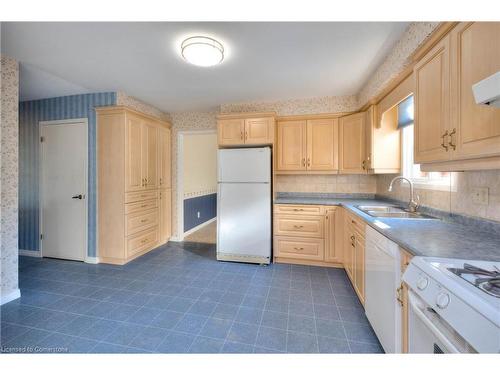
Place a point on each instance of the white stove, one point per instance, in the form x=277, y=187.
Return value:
x=456, y=303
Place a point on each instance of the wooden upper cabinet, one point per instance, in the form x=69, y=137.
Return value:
x=352, y=144
x=291, y=148
x=322, y=145
x=150, y=155
x=432, y=104
x=231, y=132
x=475, y=49
x=259, y=131
x=164, y=158
x=134, y=154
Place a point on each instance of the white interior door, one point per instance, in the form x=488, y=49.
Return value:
x=64, y=189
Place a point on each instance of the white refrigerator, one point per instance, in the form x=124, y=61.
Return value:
x=244, y=205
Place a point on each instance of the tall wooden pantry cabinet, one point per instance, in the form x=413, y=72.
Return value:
x=134, y=183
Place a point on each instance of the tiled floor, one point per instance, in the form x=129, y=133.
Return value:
x=178, y=299
x=207, y=234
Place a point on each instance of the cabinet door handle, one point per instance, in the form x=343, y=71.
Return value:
x=399, y=296
x=298, y=209
x=308, y=162
x=303, y=162
x=363, y=164
x=246, y=135
x=451, y=143
x=445, y=146
x=241, y=136
x=298, y=248
x=298, y=226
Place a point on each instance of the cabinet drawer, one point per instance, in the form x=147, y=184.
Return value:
x=142, y=241
x=298, y=209
x=138, y=196
x=299, y=248
x=140, y=206
x=357, y=224
x=139, y=221
x=299, y=225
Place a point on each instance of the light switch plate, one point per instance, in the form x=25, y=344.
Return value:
x=480, y=195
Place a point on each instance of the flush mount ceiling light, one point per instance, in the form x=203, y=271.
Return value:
x=202, y=51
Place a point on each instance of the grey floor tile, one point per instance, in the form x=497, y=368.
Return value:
x=176, y=343
x=202, y=308
x=206, y=345
x=353, y=315
x=123, y=334
x=271, y=338
x=361, y=347
x=360, y=332
x=299, y=323
x=100, y=330
x=301, y=343
x=191, y=323
x=249, y=315
x=144, y=316
x=223, y=311
x=106, y=348
x=180, y=304
x=301, y=308
x=167, y=319
x=236, y=347
x=333, y=345
x=243, y=333
x=326, y=312
x=149, y=338
x=274, y=319
x=330, y=328
x=216, y=328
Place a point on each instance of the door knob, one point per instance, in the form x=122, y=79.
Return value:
x=79, y=196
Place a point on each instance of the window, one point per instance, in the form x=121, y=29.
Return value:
x=425, y=180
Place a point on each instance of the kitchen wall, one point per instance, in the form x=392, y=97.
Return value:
x=200, y=178
x=9, y=138
x=185, y=121
x=457, y=198
x=30, y=114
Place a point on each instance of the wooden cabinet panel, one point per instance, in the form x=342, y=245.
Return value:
x=476, y=55
x=165, y=215
x=359, y=267
x=349, y=245
x=432, y=107
x=231, y=132
x=298, y=209
x=133, y=154
x=352, y=143
x=164, y=158
x=140, y=196
x=150, y=156
x=142, y=242
x=139, y=221
x=333, y=235
x=140, y=206
x=259, y=131
x=291, y=146
x=299, y=248
x=322, y=144
x=299, y=225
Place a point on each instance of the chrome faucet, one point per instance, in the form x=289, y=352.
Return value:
x=413, y=203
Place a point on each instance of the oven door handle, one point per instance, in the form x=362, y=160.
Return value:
x=414, y=305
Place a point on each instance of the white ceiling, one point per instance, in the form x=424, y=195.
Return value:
x=264, y=61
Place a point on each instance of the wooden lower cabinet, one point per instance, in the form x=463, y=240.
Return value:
x=306, y=234
x=403, y=292
x=354, y=252
x=165, y=215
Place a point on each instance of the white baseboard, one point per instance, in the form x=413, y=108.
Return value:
x=6, y=298
x=192, y=230
x=92, y=260
x=30, y=253
x=175, y=239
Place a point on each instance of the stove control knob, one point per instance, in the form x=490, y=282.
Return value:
x=442, y=300
x=422, y=283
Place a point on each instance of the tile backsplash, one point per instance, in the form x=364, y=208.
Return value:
x=458, y=197
x=325, y=184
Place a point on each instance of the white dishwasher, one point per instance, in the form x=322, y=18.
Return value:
x=382, y=279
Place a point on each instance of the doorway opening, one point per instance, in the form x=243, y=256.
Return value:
x=63, y=189
x=197, y=186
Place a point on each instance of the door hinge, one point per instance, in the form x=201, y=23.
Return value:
x=42, y=139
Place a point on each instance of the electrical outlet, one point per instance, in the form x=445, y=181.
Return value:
x=480, y=195
x=198, y=214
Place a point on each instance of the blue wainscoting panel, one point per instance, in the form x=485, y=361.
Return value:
x=30, y=114
x=206, y=205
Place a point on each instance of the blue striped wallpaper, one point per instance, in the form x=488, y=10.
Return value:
x=30, y=114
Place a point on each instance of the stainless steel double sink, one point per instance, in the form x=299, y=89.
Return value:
x=392, y=212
